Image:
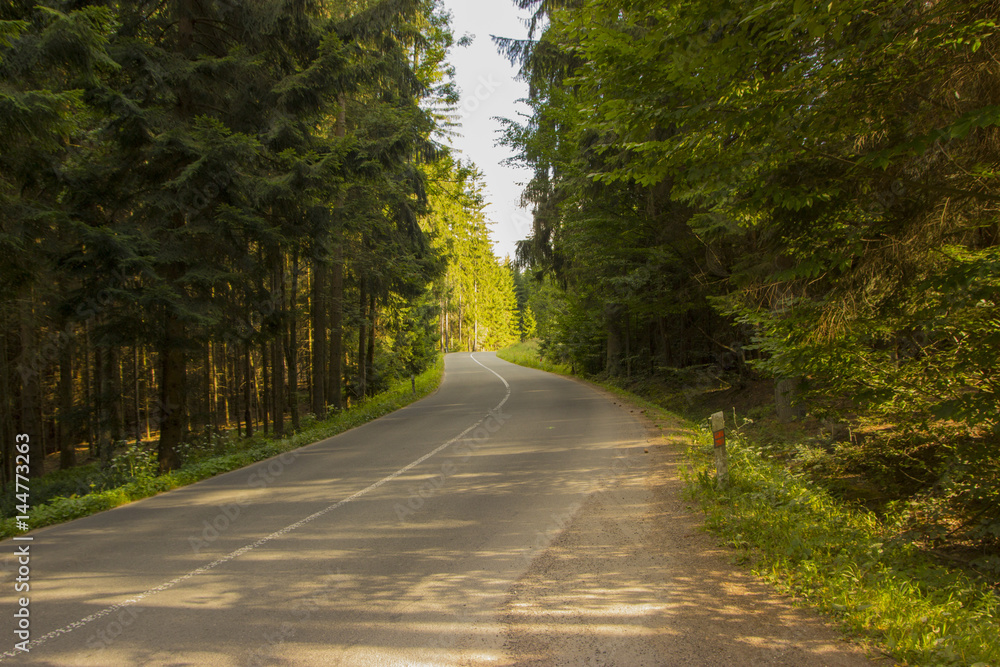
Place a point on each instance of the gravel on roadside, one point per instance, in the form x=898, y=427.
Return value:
x=633, y=579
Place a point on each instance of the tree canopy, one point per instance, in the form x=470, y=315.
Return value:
x=795, y=190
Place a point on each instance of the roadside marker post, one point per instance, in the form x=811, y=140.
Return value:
x=721, y=457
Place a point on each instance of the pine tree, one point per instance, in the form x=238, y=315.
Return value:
x=195, y=195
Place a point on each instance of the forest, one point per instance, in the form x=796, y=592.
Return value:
x=223, y=217
x=803, y=194
x=225, y=222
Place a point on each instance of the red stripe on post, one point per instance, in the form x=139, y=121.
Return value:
x=720, y=438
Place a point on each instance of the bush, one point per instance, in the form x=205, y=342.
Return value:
x=78, y=480
x=134, y=463
x=847, y=561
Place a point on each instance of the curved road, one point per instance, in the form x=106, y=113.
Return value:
x=396, y=543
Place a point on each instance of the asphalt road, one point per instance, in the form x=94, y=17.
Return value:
x=392, y=544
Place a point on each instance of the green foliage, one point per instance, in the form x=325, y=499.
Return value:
x=135, y=464
x=78, y=480
x=416, y=339
x=791, y=189
x=527, y=325
x=476, y=294
x=169, y=171
x=204, y=446
x=846, y=561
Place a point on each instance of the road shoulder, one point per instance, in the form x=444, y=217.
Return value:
x=632, y=579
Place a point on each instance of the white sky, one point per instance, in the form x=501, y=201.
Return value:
x=488, y=88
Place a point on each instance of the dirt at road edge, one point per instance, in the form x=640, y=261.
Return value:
x=632, y=580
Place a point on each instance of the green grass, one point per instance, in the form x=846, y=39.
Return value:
x=234, y=454
x=837, y=557
x=528, y=354
x=844, y=560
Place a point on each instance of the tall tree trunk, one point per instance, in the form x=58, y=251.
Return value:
x=173, y=392
x=237, y=389
x=258, y=405
x=265, y=379
x=173, y=375
x=145, y=393
x=206, y=386
x=335, y=387
x=111, y=412
x=100, y=404
x=319, y=362
x=117, y=395
x=336, y=373
x=370, y=360
x=213, y=388
x=67, y=434
x=6, y=401
x=90, y=391
x=362, y=333
x=31, y=393
x=135, y=392
x=309, y=348
x=612, y=323
x=277, y=346
x=292, y=345
x=278, y=386
x=785, y=399
x=247, y=391
x=628, y=344
x=48, y=425
x=227, y=380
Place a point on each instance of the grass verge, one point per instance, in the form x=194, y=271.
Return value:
x=528, y=354
x=837, y=557
x=231, y=455
x=843, y=559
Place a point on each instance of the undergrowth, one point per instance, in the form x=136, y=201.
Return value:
x=846, y=561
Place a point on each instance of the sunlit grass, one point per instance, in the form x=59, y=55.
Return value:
x=528, y=354
x=842, y=559
x=231, y=454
